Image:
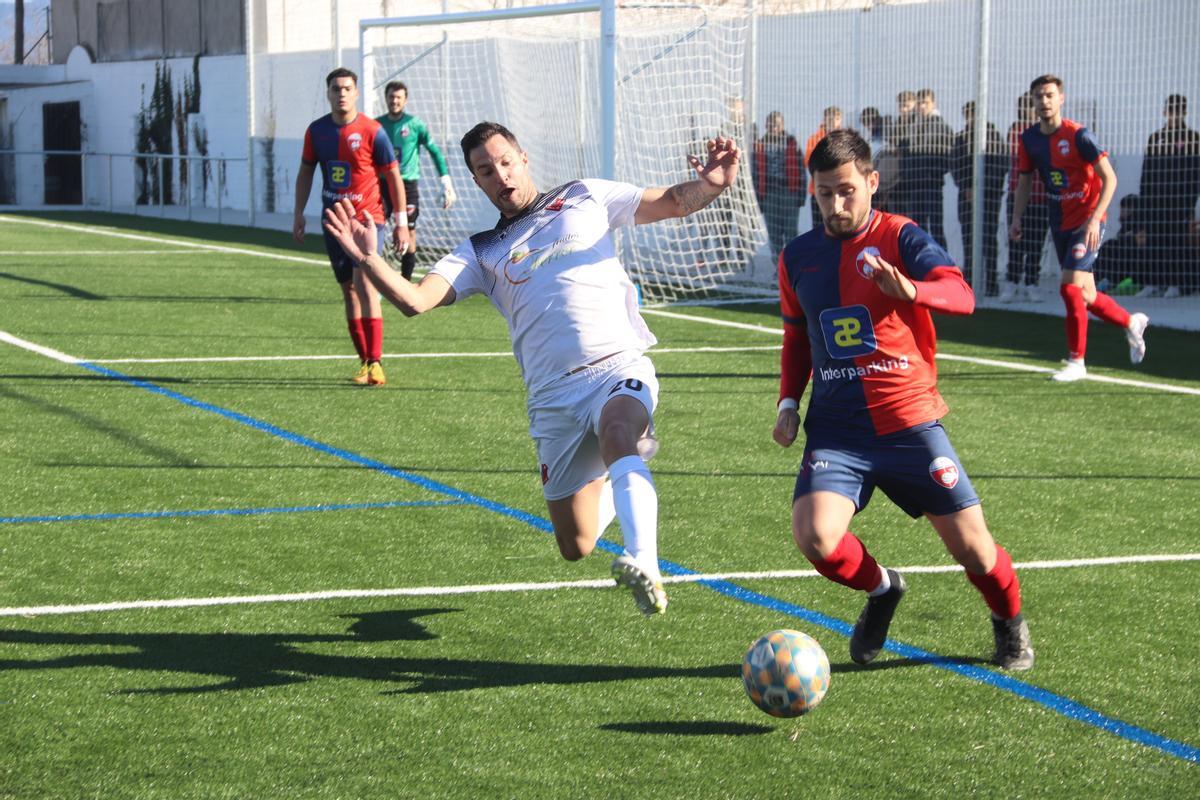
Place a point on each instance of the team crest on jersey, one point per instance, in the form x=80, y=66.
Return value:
x=944, y=472
x=848, y=331
x=556, y=205
x=404, y=131
x=860, y=261
x=354, y=140
x=1064, y=146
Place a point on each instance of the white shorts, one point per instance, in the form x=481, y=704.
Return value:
x=564, y=420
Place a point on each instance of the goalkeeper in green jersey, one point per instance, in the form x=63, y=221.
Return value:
x=408, y=135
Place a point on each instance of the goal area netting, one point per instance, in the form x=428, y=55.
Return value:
x=628, y=107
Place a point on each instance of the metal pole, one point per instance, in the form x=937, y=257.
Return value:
x=978, y=147
x=110, y=193
x=608, y=89
x=250, y=105
x=83, y=179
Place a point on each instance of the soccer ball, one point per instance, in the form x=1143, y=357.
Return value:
x=786, y=673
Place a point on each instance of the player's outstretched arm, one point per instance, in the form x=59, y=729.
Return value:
x=712, y=177
x=359, y=239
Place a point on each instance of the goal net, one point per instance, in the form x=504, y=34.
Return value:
x=678, y=82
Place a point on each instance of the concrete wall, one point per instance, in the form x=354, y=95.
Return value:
x=126, y=30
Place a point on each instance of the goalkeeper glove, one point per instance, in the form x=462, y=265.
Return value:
x=448, y=195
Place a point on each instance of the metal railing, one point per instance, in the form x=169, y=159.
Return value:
x=149, y=179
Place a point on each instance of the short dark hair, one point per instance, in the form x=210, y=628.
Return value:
x=923, y=93
x=905, y=96
x=340, y=72
x=841, y=147
x=395, y=86
x=1177, y=104
x=1042, y=80
x=480, y=134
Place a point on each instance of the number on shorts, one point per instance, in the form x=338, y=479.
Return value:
x=632, y=384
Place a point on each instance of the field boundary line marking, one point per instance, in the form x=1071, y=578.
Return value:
x=137, y=237
x=343, y=357
x=507, y=588
x=986, y=362
x=98, y=252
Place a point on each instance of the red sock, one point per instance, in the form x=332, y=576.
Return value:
x=359, y=337
x=1076, y=320
x=1107, y=309
x=1000, y=588
x=850, y=565
x=373, y=328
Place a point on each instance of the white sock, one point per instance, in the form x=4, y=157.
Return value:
x=885, y=583
x=608, y=511
x=636, y=502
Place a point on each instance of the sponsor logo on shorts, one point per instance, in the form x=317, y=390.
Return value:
x=545, y=474
x=354, y=140
x=944, y=472
x=848, y=331
x=1079, y=250
x=860, y=261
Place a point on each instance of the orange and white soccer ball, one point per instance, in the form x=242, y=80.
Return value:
x=786, y=673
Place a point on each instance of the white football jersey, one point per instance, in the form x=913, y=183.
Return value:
x=553, y=273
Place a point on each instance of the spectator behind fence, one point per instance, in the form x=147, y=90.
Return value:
x=927, y=163
x=1025, y=254
x=831, y=120
x=1125, y=259
x=778, y=181
x=898, y=132
x=962, y=168
x=885, y=157
x=1170, y=188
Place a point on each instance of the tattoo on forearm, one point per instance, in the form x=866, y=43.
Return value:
x=691, y=196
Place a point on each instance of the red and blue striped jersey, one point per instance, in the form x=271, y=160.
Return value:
x=1065, y=159
x=870, y=356
x=351, y=157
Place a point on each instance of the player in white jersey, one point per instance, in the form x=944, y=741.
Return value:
x=550, y=267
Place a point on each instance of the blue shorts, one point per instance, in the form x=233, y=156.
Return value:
x=916, y=468
x=343, y=267
x=1072, y=252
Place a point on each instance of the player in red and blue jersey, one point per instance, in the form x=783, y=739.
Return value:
x=352, y=151
x=1080, y=183
x=856, y=296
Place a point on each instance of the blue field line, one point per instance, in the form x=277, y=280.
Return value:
x=229, y=512
x=1049, y=700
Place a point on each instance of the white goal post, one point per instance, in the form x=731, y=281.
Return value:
x=594, y=88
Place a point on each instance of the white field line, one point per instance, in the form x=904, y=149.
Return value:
x=435, y=356
x=37, y=348
x=508, y=588
x=987, y=362
x=98, y=252
x=160, y=240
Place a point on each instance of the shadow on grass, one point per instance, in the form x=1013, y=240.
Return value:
x=249, y=661
x=692, y=728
